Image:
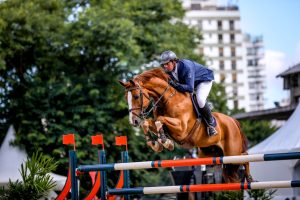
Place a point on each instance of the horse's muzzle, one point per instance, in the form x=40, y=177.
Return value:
x=135, y=121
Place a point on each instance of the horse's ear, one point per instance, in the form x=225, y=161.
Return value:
x=132, y=82
x=124, y=84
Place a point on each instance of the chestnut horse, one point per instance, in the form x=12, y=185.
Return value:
x=174, y=118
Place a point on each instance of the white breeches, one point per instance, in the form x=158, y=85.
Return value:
x=202, y=91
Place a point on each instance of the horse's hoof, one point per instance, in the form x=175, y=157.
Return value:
x=157, y=147
x=169, y=144
x=171, y=147
x=249, y=178
x=150, y=143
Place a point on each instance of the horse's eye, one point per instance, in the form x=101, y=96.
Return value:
x=136, y=97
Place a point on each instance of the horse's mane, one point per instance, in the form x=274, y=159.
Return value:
x=156, y=72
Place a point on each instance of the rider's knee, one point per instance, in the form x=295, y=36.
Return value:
x=201, y=102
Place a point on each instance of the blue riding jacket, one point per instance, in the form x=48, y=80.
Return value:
x=191, y=74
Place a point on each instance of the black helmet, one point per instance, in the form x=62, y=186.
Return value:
x=167, y=56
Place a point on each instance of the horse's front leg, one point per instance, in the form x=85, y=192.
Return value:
x=174, y=125
x=162, y=138
x=148, y=125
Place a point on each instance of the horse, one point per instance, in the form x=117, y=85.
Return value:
x=174, y=119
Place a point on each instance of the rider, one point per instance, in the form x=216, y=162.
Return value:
x=190, y=76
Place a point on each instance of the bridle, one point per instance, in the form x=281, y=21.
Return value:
x=144, y=113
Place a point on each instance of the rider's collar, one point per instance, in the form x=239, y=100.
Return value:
x=175, y=69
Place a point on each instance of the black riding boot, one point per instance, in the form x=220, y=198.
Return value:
x=208, y=118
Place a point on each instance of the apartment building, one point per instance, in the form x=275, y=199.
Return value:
x=222, y=46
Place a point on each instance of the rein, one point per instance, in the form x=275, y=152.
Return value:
x=144, y=114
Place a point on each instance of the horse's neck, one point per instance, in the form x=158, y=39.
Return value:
x=158, y=89
x=174, y=104
x=162, y=91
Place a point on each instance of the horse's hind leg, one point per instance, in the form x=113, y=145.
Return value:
x=247, y=170
x=230, y=173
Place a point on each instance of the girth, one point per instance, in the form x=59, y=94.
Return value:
x=188, y=138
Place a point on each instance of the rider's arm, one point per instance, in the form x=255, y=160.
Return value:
x=188, y=86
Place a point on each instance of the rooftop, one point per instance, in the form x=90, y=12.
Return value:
x=292, y=70
x=279, y=113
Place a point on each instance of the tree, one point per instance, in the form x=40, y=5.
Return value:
x=60, y=62
x=218, y=97
x=257, y=131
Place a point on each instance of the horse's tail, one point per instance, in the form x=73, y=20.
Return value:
x=244, y=138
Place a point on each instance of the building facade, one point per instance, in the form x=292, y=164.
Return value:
x=256, y=71
x=222, y=46
x=291, y=82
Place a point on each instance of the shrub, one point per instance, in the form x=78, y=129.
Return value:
x=36, y=181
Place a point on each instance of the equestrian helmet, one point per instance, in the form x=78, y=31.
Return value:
x=167, y=56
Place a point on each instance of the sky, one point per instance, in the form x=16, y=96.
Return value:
x=278, y=22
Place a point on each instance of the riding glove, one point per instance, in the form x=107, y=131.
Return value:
x=173, y=84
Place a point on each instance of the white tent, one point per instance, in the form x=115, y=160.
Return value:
x=285, y=139
x=11, y=158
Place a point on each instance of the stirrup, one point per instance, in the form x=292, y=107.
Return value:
x=211, y=131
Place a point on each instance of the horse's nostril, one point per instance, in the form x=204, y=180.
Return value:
x=136, y=122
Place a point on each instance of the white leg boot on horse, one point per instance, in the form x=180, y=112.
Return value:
x=155, y=146
x=162, y=138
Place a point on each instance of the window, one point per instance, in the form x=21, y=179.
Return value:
x=286, y=83
x=220, y=37
x=235, y=104
x=250, y=63
x=201, y=51
x=232, y=38
x=231, y=25
x=200, y=24
x=195, y=6
x=255, y=62
x=233, y=65
x=295, y=80
x=222, y=77
x=253, y=97
x=235, y=93
x=234, y=77
x=221, y=65
x=232, y=51
x=221, y=51
x=250, y=51
x=251, y=85
x=296, y=99
x=219, y=25
x=257, y=97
